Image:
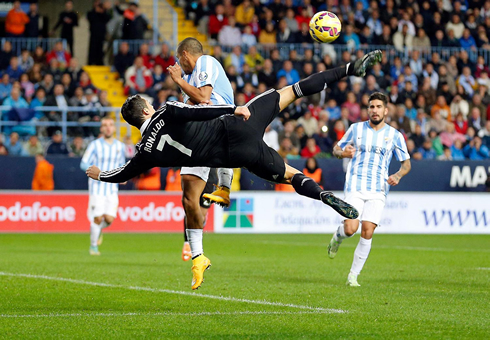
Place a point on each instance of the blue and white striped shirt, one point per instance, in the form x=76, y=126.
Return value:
x=208, y=71
x=106, y=157
x=368, y=169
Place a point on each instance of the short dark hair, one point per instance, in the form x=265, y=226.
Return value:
x=379, y=96
x=191, y=45
x=132, y=110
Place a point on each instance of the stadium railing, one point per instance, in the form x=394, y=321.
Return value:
x=64, y=123
x=335, y=51
x=19, y=44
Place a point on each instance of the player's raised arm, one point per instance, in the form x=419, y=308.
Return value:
x=196, y=94
x=180, y=112
x=132, y=168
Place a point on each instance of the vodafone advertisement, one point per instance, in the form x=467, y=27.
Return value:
x=67, y=212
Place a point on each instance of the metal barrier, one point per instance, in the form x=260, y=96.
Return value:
x=64, y=123
x=19, y=44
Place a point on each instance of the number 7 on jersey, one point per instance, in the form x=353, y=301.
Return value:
x=167, y=139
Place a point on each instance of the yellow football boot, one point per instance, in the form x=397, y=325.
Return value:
x=199, y=265
x=220, y=196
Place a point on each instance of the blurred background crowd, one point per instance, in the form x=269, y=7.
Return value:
x=438, y=83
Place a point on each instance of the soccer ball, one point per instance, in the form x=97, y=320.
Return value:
x=325, y=27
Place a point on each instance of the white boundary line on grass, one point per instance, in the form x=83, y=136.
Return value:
x=178, y=292
x=306, y=244
x=483, y=268
x=61, y=315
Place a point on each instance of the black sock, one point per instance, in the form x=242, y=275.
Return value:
x=318, y=82
x=305, y=186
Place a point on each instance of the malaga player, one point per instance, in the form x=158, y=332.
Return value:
x=204, y=81
x=217, y=136
x=370, y=145
x=107, y=153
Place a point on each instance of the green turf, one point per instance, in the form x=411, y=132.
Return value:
x=412, y=287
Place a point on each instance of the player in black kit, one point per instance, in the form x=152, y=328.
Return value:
x=225, y=136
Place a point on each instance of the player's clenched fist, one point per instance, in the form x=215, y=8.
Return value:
x=242, y=111
x=175, y=72
x=348, y=152
x=93, y=172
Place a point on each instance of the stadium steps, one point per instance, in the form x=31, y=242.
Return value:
x=186, y=28
x=104, y=79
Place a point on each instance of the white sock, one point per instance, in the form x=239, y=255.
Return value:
x=360, y=255
x=225, y=177
x=195, y=240
x=95, y=230
x=103, y=225
x=340, y=235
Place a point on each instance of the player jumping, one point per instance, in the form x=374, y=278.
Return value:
x=179, y=134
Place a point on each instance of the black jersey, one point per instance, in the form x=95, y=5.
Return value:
x=178, y=135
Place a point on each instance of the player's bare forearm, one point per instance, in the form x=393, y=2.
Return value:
x=196, y=95
x=348, y=152
x=404, y=169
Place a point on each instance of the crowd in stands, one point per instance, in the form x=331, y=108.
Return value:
x=440, y=103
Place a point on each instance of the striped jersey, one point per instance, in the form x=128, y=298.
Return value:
x=208, y=71
x=368, y=169
x=106, y=157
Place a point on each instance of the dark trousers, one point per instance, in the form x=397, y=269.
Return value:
x=96, y=50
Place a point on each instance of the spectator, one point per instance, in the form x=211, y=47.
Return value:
x=37, y=101
x=5, y=87
x=230, y=35
x=311, y=149
x=467, y=41
x=57, y=146
x=129, y=148
x=284, y=34
x=77, y=147
x=85, y=83
x=236, y=58
x=475, y=150
x=476, y=101
x=288, y=132
x=416, y=64
x=292, y=76
x=244, y=13
x=39, y=56
x=147, y=57
x=173, y=180
x=74, y=70
x=313, y=171
x=33, y=146
x=164, y=59
x=386, y=38
x=449, y=136
x=32, y=27
x=287, y=149
x=254, y=59
x=267, y=74
x=25, y=61
x=481, y=67
x=67, y=19
x=430, y=73
x=438, y=122
x=439, y=40
x=271, y=138
x=14, y=71
x=134, y=23
x=26, y=86
x=59, y=53
x=457, y=151
x=405, y=21
x=43, y=174
x=138, y=78
x=351, y=38
x=460, y=124
x=248, y=39
x=421, y=40
x=451, y=40
x=14, y=146
x=475, y=120
x=15, y=100
x=402, y=120
x=467, y=81
x=456, y=26
x=98, y=18
x=76, y=99
x=68, y=85
x=442, y=108
x=268, y=35
x=5, y=55
x=459, y=106
x=446, y=156
x=217, y=21
x=309, y=123
x=449, y=80
x=15, y=21
x=426, y=150
x=124, y=59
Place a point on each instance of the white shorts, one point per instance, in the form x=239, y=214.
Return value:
x=370, y=206
x=201, y=172
x=102, y=205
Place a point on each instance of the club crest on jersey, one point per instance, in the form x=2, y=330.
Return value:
x=203, y=76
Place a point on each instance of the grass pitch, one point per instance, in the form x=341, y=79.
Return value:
x=260, y=286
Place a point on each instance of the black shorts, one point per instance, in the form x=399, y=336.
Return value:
x=209, y=188
x=246, y=144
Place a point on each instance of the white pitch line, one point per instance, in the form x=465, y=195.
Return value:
x=306, y=244
x=483, y=268
x=60, y=315
x=178, y=292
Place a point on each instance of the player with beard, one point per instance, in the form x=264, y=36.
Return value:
x=370, y=146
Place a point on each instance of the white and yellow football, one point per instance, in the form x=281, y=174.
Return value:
x=325, y=27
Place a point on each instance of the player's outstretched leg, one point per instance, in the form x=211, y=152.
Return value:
x=221, y=195
x=305, y=186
